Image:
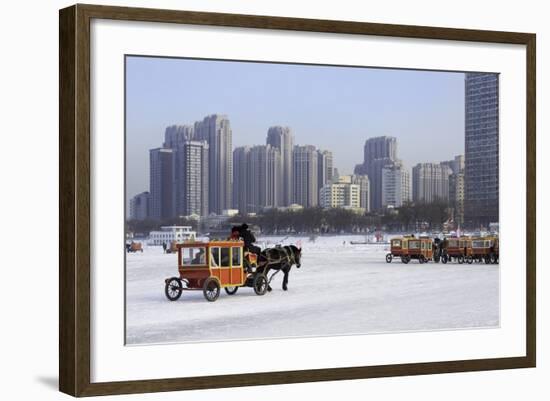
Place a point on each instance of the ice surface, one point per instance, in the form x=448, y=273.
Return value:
x=340, y=289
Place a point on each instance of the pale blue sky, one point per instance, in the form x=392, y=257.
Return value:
x=333, y=108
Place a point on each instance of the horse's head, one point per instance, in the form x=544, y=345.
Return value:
x=297, y=255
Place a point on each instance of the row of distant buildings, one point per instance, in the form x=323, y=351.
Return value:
x=391, y=182
x=197, y=171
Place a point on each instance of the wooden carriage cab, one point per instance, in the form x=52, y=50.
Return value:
x=220, y=259
x=397, y=245
x=420, y=246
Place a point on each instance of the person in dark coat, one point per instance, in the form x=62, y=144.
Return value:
x=248, y=239
x=164, y=247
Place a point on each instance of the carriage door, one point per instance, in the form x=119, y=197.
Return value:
x=237, y=274
x=215, y=262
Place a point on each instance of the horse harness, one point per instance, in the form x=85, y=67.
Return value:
x=291, y=259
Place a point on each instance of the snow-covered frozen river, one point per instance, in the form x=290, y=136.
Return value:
x=340, y=289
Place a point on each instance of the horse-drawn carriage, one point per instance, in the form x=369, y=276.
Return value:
x=419, y=248
x=134, y=247
x=457, y=248
x=408, y=248
x=468, y=250
x=485, y=249
x=210, y=266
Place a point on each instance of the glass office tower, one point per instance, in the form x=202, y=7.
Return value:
x=481, y=174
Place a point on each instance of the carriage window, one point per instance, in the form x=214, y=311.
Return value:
x=396, y=243
x=236, y=256
x=453, y=243
x=224, y=257
x=194, y=256
x=478, y=244
x=214, y=256
x=414, y=244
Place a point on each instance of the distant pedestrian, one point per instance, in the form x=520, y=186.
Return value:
x=164, y=247
x=344, y=243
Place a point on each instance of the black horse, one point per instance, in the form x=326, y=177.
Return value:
x=281, y=258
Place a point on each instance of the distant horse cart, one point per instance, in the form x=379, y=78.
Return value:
x=420, y=249
x=133, y=247
x=458, y=249
x=408, y=248
x=213, y=265
x=485, y=250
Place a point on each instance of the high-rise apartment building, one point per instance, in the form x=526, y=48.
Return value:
x=430, y=182
x=481, y=172
x=216, y=131
x=364, y=190
x=305, y=169
x=161, y=183
x=176, y=135
x=191, y=178
x=343, y=195
x=139, y=206
x=379, y=152
x=395, y=185
x=456, y=165
x=241, y=179
x=265, y=189
x=283, y=139
x=456, y=196
x=257, y=181
x=380, y=147
x=324, y=167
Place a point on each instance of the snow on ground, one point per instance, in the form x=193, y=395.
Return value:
x=340, y=289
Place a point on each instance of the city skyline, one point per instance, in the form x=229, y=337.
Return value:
x=424, y=105
x=181, y=185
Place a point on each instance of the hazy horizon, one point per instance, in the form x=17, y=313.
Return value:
x=335, y=108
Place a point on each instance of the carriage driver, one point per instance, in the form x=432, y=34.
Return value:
x=243, y=232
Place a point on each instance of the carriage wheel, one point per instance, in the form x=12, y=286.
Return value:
x=389, y=258
x=469, y=260
x=494, y=259
x=211, y=289
x=444, y=259
x=460, y=259
x=231, y=290
x=260, y=284
x=421, y=259
x=173, y=289
x=405, y=259
x=487, y=259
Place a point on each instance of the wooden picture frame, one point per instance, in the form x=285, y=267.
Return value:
x=74, y=199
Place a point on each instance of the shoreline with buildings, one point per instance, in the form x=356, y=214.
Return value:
x=197, y=174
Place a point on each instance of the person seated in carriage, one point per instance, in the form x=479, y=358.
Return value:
x=244, y=233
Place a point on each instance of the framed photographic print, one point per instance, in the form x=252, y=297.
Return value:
x=249, y=200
